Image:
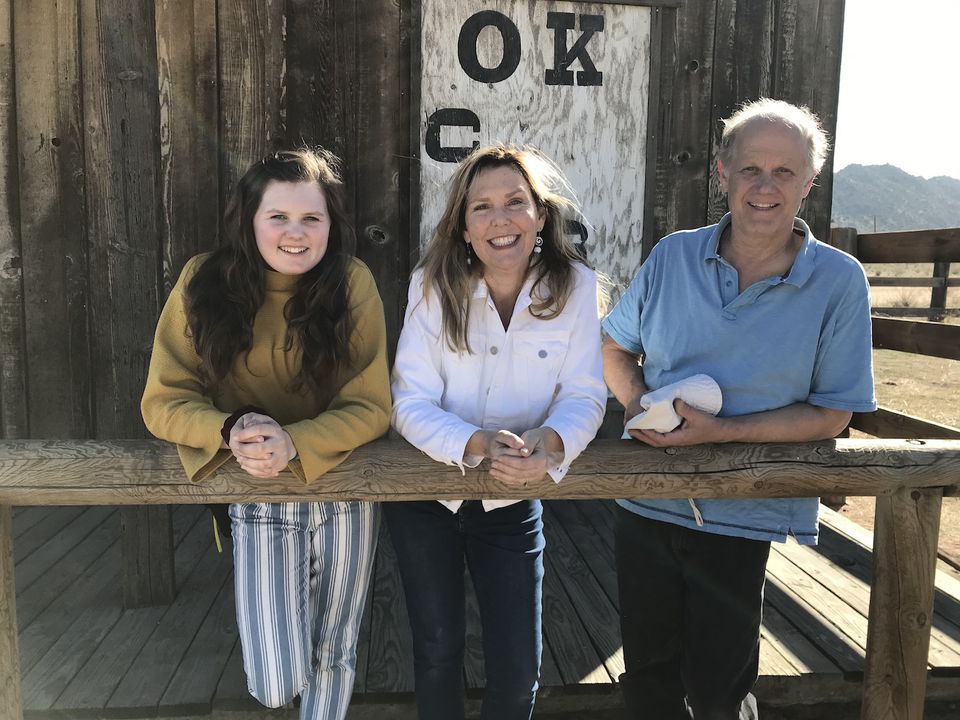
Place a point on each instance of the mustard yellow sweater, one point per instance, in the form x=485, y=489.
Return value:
x=350, y=410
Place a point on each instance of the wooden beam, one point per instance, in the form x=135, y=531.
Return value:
x=11, y=705
x=910, y=247
x=901, y=604
x=144, y=472
x=887, y=423
x=917, y=336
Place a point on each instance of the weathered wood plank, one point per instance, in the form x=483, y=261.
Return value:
x=67, y=537
x=833, y=611
x=807, y=40
x=803, y=655
x=932, y=282
x=51, y=673
x=61, y=576
x=189, y=166
x=379, y=86
x=53, y=219
x=123, y=195
x=806, y=617
x=901, y=604
x=250, y=53
x=916, y=336
x=25, y=519
x=192, y=688
x=148, y=676
x=931, y=314
x=390, y=663
x=597, y=555
x=887, y=423
x=145, y=472
x=13, y=388
x=598, y=614
x=11, y=705
x=96, y=681
x=682, y=78
x=909, y=247
x=41, y=533
x=855, y=592
x=577, y=658
x=232, y=693
x=98, y=583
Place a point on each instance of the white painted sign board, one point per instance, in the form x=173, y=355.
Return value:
x=569, y=78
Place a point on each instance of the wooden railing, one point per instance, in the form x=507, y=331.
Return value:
x=909, y=477
x=940, y=247
x=935, y=339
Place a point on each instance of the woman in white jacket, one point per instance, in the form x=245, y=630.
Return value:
x=499, y=360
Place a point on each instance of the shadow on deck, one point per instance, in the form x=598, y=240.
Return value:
x=83, y=655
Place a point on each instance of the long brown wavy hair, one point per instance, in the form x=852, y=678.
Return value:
x=444, y=262
x=223, y=297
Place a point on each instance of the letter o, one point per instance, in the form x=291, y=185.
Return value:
x=467, y=46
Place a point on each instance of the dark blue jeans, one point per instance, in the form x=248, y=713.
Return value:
x=690, y=611
x=503, y=550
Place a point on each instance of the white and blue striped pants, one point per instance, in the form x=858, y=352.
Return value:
x=302, y=571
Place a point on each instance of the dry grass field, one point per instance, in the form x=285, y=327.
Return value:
x=922, y=386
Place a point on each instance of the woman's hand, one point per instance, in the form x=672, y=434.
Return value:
x=540, y=450
x=260, y=445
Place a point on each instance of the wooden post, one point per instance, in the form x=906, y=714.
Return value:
x=901, y=604
x=11, y=705
x=844, y=239
x=938, y=295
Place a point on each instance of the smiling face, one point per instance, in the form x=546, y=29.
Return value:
x=502, y=221
x=766, y=179
x=292, y=226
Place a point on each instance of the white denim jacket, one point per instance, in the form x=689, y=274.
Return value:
x=536, y=373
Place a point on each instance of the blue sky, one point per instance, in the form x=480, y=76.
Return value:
x=899, y=86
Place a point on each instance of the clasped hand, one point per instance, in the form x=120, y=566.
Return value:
x=260, y=445
x=518, y=459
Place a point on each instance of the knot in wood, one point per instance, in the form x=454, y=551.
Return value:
x=671, y=450
x=129, y=74
x=920, y=619
x=376, y=234
x=758, y=484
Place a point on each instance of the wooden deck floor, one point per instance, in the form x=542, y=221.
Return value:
x=83, y=655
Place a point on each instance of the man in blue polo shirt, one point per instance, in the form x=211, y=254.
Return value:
x=782, y=323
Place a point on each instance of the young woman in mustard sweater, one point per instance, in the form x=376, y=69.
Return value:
x=271, y=352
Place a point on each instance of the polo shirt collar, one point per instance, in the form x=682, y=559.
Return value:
x=802, y=266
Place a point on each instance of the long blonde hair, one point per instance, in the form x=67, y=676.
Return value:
x=444, y=262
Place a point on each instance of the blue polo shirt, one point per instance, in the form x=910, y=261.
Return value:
x=803, y=337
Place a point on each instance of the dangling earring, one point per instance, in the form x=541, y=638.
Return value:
x=538, y=244
x=469, y=254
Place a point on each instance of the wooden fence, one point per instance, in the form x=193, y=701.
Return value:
x=935, y=339
x=909, y=477
x=940, y=247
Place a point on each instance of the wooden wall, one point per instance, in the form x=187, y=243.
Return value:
x=123, y=123
x=714, y=55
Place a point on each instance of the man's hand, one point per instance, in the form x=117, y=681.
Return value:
x=696, y=427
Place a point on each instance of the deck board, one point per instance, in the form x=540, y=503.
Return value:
x=82, y=653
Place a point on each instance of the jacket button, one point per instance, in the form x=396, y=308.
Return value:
x=542, y=353
x=494, y=350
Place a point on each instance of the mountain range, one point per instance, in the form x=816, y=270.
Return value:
x=884, y=198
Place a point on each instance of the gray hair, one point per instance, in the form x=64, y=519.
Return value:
x=799, y=117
